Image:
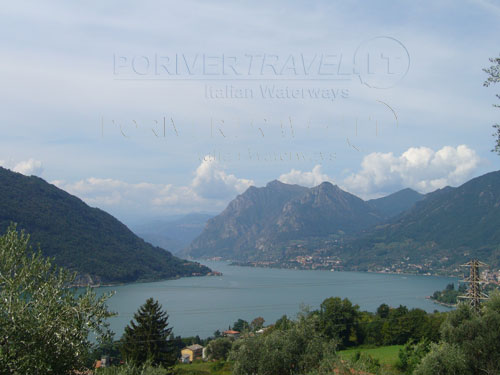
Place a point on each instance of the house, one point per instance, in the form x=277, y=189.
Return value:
x=232, y=334
x=193, y=351
x=104, y=362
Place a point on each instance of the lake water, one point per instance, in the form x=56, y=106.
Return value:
x=201, y=305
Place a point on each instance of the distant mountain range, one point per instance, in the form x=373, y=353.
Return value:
x=268, y=222
x=84, y=239
x=172, y=233
x=442, y=231
x=405, y=230
x=394, y=204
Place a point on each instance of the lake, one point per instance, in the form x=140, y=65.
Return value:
x=201, y=305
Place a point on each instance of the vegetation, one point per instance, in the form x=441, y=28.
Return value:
x=146, y=341
x=131, y=369
x=203, y=368
x=308, y=345
x=386, y=355
x=441, y=232
x=337, y=320
x=449, y=295
x=411, y=355
x=494, y=77
x=83, y=239
x=257, y=323
x=389, y=341
x=435, y=233
x=294, y=351
x=44, y=325
x=388, y=326
x=241, y=325
x=219, y=348
x=470, y=342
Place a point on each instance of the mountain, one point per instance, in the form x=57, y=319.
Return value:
x=265, y=223
x=321, y=211
x=234, y=232
x=443, y=230
x=403, y=232
x=396, y=203
x=81, y=238
x=173, y=233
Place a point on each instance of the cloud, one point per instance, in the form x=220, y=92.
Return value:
x=210, y=190
x=28, y=167
x=420, y=168
x=313, y=178
x=211, y=181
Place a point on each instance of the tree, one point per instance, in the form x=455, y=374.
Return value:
x=283, y=323
x=257, y=323
x=297, y=350
x=470, y=338
x=338, y=319
x=443, y=359
x=494, y=77
x=383, y=311
x=411, y=355
x=241, y=325
x=147, y=339
x=219, y=348
x=44, y=323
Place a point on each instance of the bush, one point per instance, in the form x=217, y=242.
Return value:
x=219, y=348
x=129, y=369
x=444, y=359
x=297, y=350
x=411, y=355
x=44, y=324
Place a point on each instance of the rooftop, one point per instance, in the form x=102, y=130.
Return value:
x=194, y=347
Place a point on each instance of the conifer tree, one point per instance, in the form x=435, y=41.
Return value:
x=147, y=339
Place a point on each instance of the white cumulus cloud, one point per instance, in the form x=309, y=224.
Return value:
x=420, y=168
x=211, y=181
x=27, y=167
x=210, y=189
x=310, y=179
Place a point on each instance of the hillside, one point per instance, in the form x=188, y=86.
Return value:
x=234, y=232
x=403, y=232
x=264, y=223
x=443, y=230
x=322, y=211
x=84, y=239
x=396, y=203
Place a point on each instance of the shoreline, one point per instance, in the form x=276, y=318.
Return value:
x=441, y=303
x=237, y=263
x=107, y=285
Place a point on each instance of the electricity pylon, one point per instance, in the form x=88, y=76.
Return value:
x=474, y=294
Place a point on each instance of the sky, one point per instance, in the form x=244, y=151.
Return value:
x=157, y=108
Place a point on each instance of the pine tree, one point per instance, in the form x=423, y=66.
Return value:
x=147, y=339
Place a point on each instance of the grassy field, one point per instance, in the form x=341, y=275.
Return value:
x=387, y=355
x=203, y=368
